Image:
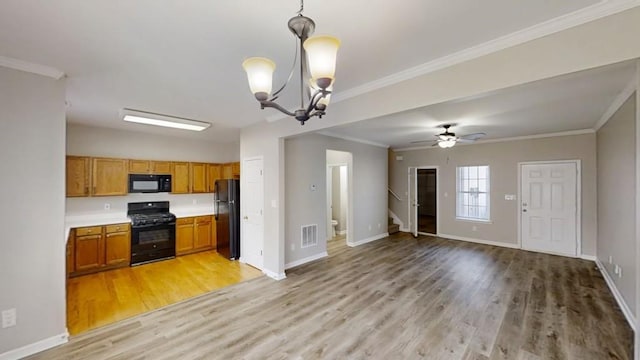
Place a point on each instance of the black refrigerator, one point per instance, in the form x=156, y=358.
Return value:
x=227, y=214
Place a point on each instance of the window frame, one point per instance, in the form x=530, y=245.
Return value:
x=460, y=193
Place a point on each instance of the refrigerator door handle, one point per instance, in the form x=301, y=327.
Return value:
x=217, y=201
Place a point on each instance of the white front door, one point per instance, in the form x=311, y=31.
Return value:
x=252, y=196
x=413, y=201
x=549, y=208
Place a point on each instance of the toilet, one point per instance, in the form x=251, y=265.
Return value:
x=334, y=223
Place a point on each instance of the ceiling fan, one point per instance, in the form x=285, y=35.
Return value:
x=447, y=139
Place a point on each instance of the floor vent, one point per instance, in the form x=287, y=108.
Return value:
x=309, y=235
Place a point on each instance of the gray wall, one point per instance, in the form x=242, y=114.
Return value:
x=96, y=141
x=616, y=198
x=503, y=158
x=306, y=164
x=32, y=254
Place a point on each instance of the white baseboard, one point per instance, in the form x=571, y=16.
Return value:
x=274, y=275
x=36, y=347
x=368, y=240
x=306, y=260
x=396, y=219
x=479, y=241
x=404, y=229
x=588, y=257
x=616, y=294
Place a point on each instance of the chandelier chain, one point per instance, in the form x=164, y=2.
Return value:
x=301, y=7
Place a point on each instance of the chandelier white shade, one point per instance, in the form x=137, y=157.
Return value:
x=321, y=56
x=260, y=74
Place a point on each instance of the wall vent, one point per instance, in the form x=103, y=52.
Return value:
x=309, y=235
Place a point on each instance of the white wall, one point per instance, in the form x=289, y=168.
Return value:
x=502, y=158
x=32, y=247
x=616, y=199
x=103, y=142
x=306, y=160
x=611, y=39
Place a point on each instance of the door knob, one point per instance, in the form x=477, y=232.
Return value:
x=246, y=218
x=524, y=210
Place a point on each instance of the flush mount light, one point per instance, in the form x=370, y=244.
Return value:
x=147, y=118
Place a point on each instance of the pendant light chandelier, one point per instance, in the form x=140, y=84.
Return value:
x=317, y=65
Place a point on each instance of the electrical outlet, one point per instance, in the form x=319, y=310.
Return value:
x=107, y=206
x=379, y=225
x=369, y=227
x=9, y=318
x=293, y=247
x=474, y=228
x=195, y=201
x=610, y=259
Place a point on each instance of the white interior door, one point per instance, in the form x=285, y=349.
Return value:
x=549, y=208
x=413, y=201
x=253, y=214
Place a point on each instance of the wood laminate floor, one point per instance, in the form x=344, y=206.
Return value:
x=396, y=298
x=103, y=298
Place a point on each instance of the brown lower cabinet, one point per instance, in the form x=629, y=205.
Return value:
x=194, y=234
x=98, y=248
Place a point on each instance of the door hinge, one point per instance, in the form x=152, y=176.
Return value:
x=260, y=252
x=260, y=172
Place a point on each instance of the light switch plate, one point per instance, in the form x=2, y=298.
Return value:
x=509, y=197
x=8, y=318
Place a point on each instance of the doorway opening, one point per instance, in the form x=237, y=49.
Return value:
x=339, y=216
x=423, y=208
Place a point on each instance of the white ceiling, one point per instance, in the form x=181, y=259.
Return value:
x=567, y=103
x=183, y=58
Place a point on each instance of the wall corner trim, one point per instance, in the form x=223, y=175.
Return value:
x=628, y=314
x=36, y=347
x=308, y=259
x=368, y=240
x=33, y=68
x=271, y=274
x=616, y=104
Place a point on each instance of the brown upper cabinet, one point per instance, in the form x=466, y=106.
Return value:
x=231, y=170
x=109, y=176
x=214, y=171
x=198, y=177
x=235, y=170
x=180, y=178
x=78, y=176
x=87, y=176
x=149, y=167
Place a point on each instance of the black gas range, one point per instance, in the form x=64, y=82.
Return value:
x=153, y=231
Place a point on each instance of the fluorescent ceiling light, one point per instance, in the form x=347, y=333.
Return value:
x=148, y=118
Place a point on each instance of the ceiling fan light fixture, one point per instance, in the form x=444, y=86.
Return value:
x=445, y=144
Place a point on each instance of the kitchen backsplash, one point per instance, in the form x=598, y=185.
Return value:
x=117, y=205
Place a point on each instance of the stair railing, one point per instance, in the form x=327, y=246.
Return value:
x=394, y=194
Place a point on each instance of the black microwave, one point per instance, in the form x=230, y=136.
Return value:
x=144, y=183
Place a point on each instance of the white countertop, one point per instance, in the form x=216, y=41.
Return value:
x=97, y=219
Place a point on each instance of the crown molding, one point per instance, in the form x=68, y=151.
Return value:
x=354, y=139
x=616, y=104
x=515, y=138
x=37, y=69
x=602, y=9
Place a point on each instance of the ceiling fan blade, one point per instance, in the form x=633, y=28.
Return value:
x=474, y=136
x=423, y=141
x=465, y=141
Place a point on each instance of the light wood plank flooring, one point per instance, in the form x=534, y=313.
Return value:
x=396, y=298
x=103, y=298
